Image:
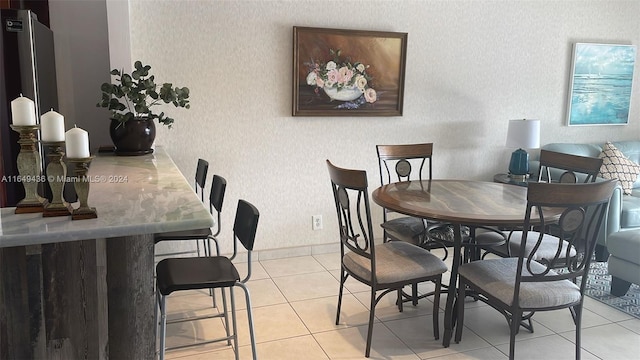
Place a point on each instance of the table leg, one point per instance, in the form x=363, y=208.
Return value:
x=131, y=299
x=449, y=319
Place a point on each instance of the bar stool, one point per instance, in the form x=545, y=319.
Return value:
x=176, y=274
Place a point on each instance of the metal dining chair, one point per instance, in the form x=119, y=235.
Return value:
x=555, y=167
x=211, y=272
x=520, y=286
x=385, y=267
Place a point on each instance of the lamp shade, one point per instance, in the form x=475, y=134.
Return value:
x=523, y=134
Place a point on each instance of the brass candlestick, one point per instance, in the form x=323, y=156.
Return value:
x=56, y=176
x=81, y=184
x=29, y=170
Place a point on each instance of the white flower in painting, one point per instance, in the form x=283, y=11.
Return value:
x=360, y=67
x=331, y=66
x=370, y=95
x=312, y=78
x=361, y=82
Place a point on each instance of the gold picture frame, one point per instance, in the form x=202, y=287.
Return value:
x=338, y=72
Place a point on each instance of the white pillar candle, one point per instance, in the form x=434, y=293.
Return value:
x=77, y=143
x=52, y=126
x=23, y=111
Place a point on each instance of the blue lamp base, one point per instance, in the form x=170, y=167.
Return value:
x=519, y=165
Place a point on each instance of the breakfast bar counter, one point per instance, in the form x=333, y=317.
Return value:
x=83, y=289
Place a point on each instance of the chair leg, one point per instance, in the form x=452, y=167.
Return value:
x=459, y=304
x=250, y=317
x=163, y=324
x=225, y=313
x=414, y=294
x=343, y=278
x=372, y=310
x=578, y=322
x=514, y=327
x=234, y=323
x=436, y=308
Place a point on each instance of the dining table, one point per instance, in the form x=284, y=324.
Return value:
x=461, y=203
x=84, y=289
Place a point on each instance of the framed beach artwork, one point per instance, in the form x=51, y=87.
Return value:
x=348, y=72
x=601, y=82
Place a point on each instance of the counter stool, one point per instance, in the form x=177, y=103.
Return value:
x=176, y=274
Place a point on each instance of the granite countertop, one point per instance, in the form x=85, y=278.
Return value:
x=133, y=195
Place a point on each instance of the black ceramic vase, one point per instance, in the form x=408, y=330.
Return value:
x=134, y=137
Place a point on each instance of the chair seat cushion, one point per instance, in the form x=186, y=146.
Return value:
x=396, y=262
x=497, y=277
x=194, y=273
x=195, y=234
x=547, y=249
x=406, y=229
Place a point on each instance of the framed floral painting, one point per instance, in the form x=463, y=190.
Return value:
x=348, y=72
x=601, y=83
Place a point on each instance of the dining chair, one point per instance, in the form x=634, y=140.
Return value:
x=216, y=199
x=211, y=272
x=520, y=286
x=202, y=169
x=555, y=167
x=406, y=162
x=385, y=267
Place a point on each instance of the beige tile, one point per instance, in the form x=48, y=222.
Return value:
x=330, y=261
x=547, y=347
x=492, y=326
x=274, y=322
x=307, y=286
x=263, y=292
x=350, y=344
x=301, y=347
x=320, y=314
x=292, y=266
x=351, y=285
x=186, y=333
x=562, y=321
x=608, y=342
x=489, y=353
x=633, y=325
x=386, y=308
x=417, y=333
x=605, y=310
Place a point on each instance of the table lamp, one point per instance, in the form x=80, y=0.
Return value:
x=522, y=134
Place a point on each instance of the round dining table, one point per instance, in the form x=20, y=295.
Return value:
x=459, y=202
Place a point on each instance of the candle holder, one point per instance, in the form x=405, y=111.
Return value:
x=81, y=184
x=29, y=170
x=56, y=176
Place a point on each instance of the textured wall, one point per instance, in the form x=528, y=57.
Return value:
x=472, y=66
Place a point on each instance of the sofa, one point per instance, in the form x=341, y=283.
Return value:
x=619, y=239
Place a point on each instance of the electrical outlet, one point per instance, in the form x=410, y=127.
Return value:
x=316, y=222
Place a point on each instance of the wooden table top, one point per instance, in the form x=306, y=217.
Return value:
x=460, y=201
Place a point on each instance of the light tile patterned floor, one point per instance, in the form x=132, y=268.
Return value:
x=294, y=302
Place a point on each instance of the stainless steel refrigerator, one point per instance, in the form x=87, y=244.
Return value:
x=27, y=67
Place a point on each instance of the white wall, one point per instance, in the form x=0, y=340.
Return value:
x=472, y=65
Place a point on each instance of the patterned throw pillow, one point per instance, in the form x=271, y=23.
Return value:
x=616, y=166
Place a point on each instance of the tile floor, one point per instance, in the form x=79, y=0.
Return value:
x=294, y=301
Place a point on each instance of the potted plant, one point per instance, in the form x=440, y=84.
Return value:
x=130, y=100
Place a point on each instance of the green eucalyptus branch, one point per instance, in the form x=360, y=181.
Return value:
x=133, y=95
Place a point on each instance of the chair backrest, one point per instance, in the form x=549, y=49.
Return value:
x=574, y=213
x=404, y=162
x=566, y=167
x=216, y=198
x=246, y=224
x=353, y=210
x=201, y=177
